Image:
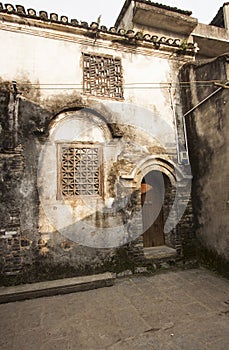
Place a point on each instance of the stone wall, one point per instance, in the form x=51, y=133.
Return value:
x=207, y=128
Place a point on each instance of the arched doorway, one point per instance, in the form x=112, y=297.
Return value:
x=152, y=197
x=157, y=196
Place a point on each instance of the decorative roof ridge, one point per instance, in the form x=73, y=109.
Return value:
x=125, y=36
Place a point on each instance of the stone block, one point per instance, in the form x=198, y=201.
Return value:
x=64, y=286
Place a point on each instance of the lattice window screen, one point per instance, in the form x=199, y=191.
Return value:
x=80, y=173
x=102, y=76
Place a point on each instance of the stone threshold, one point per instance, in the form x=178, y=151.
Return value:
x=159, y=252
x=62, y=286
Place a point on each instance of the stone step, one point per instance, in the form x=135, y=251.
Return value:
x=159, y=252
x=62, y=286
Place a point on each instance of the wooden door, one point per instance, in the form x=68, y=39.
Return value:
x=153, y=232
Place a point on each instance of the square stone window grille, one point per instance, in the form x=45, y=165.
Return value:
x=80, y=170
x=102, y=76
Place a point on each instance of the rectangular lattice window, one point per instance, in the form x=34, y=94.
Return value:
x=102, y=76
x=80, y=170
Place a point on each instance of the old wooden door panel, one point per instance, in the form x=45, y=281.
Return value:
x=151, y=206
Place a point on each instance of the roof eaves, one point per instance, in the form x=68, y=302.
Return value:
x=127, y=37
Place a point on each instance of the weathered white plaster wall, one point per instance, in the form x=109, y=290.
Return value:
x=82, y=219
x=51, y=61
x=39, y=59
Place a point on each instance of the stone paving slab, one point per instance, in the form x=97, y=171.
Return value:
x=180, y=310
x=62, y=286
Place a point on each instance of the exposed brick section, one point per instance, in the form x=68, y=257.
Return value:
x=11, y=165
x=17, y=154
x=10, y=248
x=10, y=252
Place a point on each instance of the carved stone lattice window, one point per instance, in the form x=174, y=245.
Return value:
x=80, y=170
x=102, y=76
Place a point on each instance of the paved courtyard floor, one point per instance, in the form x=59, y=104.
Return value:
x=174, y=310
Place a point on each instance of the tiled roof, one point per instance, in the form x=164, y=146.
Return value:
x=123, y=36
x=148, y=2
x=169, y=8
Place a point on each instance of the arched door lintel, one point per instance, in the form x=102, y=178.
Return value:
x=152, y=164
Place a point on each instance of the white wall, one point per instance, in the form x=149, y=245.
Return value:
x=46, y=56
x=53, y=58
